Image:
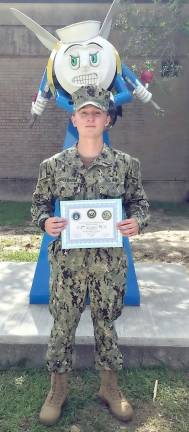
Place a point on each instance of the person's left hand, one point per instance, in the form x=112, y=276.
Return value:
x=128, y=227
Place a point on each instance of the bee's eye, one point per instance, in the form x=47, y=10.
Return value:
x=75, y=61
x=94, y=59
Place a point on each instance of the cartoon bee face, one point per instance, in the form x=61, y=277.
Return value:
x=85, y=63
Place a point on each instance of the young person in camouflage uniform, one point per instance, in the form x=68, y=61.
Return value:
x=90, y=170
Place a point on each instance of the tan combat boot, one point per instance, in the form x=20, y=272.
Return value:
x=111, y=395
x=51, y=409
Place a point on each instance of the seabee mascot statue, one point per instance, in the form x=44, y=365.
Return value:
x=81, y=56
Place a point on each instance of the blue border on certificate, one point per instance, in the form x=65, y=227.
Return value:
x=114, y=241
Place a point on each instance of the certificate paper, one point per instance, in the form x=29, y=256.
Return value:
x=91, y=223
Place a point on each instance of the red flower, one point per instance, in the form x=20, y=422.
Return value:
x=146, y=76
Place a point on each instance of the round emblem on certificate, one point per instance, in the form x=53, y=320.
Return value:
x=106, y=215
x=91, y=213
x=76, y=215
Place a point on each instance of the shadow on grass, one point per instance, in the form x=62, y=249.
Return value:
x=14, y=213
x=171, y=208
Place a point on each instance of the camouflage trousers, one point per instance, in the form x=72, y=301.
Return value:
x=101, y=273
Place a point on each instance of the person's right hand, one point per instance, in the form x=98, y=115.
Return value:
x=54, y=225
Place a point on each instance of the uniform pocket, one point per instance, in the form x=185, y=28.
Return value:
x=67, y=188
x=113, y=189
x=107, y=260
x=65, y=259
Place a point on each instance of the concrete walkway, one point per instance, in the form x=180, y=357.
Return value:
x=155, y=333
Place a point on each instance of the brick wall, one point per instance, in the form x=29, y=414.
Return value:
x=160, y=143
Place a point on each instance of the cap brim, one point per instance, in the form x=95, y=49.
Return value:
x=96, y=104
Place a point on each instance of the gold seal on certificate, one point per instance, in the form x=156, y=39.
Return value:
x=91, y=223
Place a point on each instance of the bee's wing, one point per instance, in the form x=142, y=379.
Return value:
x=47, y=39
x=106, y=26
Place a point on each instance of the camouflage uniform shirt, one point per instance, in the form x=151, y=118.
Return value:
x=113, y=174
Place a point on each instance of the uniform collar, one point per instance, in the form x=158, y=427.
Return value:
x=104, y=158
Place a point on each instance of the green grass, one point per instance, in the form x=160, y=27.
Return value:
x=14, y=213
x=171, y=208
x=23, y=392
x=19, y=256
x=20, y=248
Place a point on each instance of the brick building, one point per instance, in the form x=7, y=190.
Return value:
x=160, y=143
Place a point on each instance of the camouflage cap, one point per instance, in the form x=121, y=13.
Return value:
x=91, y=95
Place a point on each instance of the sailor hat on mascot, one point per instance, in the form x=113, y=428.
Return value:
x=83, y=56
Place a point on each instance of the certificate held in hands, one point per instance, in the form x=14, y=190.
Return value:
x=91, y=223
